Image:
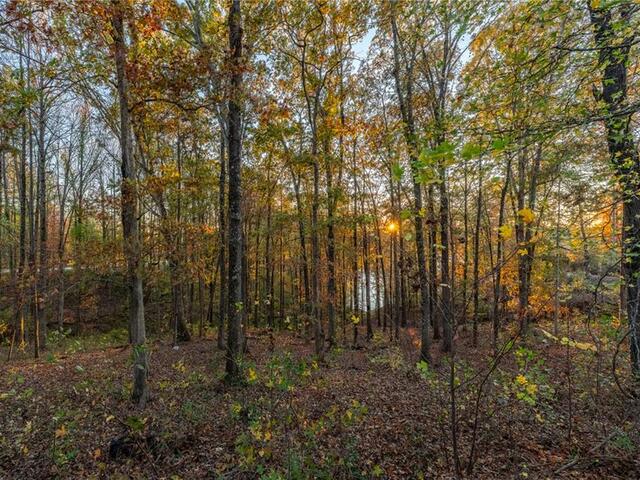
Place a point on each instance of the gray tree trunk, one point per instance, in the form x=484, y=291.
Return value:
x=129, y=218
x=235, y=243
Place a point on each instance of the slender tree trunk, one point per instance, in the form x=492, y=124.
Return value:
x=62, y=193
x=397, y=287
x=269, y=265
x=367, y=278
x=343, y=288
x=526, y=199
x=405, y=97
x=281, y=289
x=497, y=293
x=222, y=226
x=256, y=286
x=445, y=278
x=476, y=256
x=465, y=261
x=180, y=329
x=381, y=300
x=7, y=212
x=303, y=242
x=402, y=260
x=42, y=231
x=22, y=201
x=129, y=217
x=556, y=292
x=433, y=264
x=331, y=249
x=355, y=311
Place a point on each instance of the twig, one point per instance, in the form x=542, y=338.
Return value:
x=592, y=450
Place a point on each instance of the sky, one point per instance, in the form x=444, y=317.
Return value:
x=361, y=48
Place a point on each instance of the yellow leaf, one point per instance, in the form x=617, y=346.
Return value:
x=585, y=346
x=97, y=453
x=505, y=232
x=521, y=379
x=61, y=432
x=255, y=431
x=526, y=215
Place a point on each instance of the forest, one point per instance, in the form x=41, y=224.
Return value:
x=319, y=239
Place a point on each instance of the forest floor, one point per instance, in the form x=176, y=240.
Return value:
x=548, y=410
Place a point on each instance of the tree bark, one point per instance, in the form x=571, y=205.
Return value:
x=235, y=243
x=222, y=225
x=476, y=257
x=42, y=230
x=131, y=238
x=405, y=99
x=613, y=61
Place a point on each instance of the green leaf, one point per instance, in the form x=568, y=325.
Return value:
x=397, y=171
x=471, y=150
x=136, y=424
x=499, y=144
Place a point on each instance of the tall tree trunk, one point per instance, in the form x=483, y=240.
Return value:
x=497, y=291
x=281, y=289
x=526, y=198
x=556, y=289
x=303, y=242
x=256, y=286
x=355, y=311
x=42, y=229
x=235, y=243
x=445, y=277
x=7, y=211
x=614, y=60
x=433, y=263
x=405, y=98
x=269, y=263
x=397, y=286
x=129, y=216
x=222, y=313
x=62, y=235
x=343, y=287
x=21, y=311
x=476, y=256
x=367, y=277
x=403, y=272
x=465, y=260
x=331, y=254
x=382, y=302
x=315, y=248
